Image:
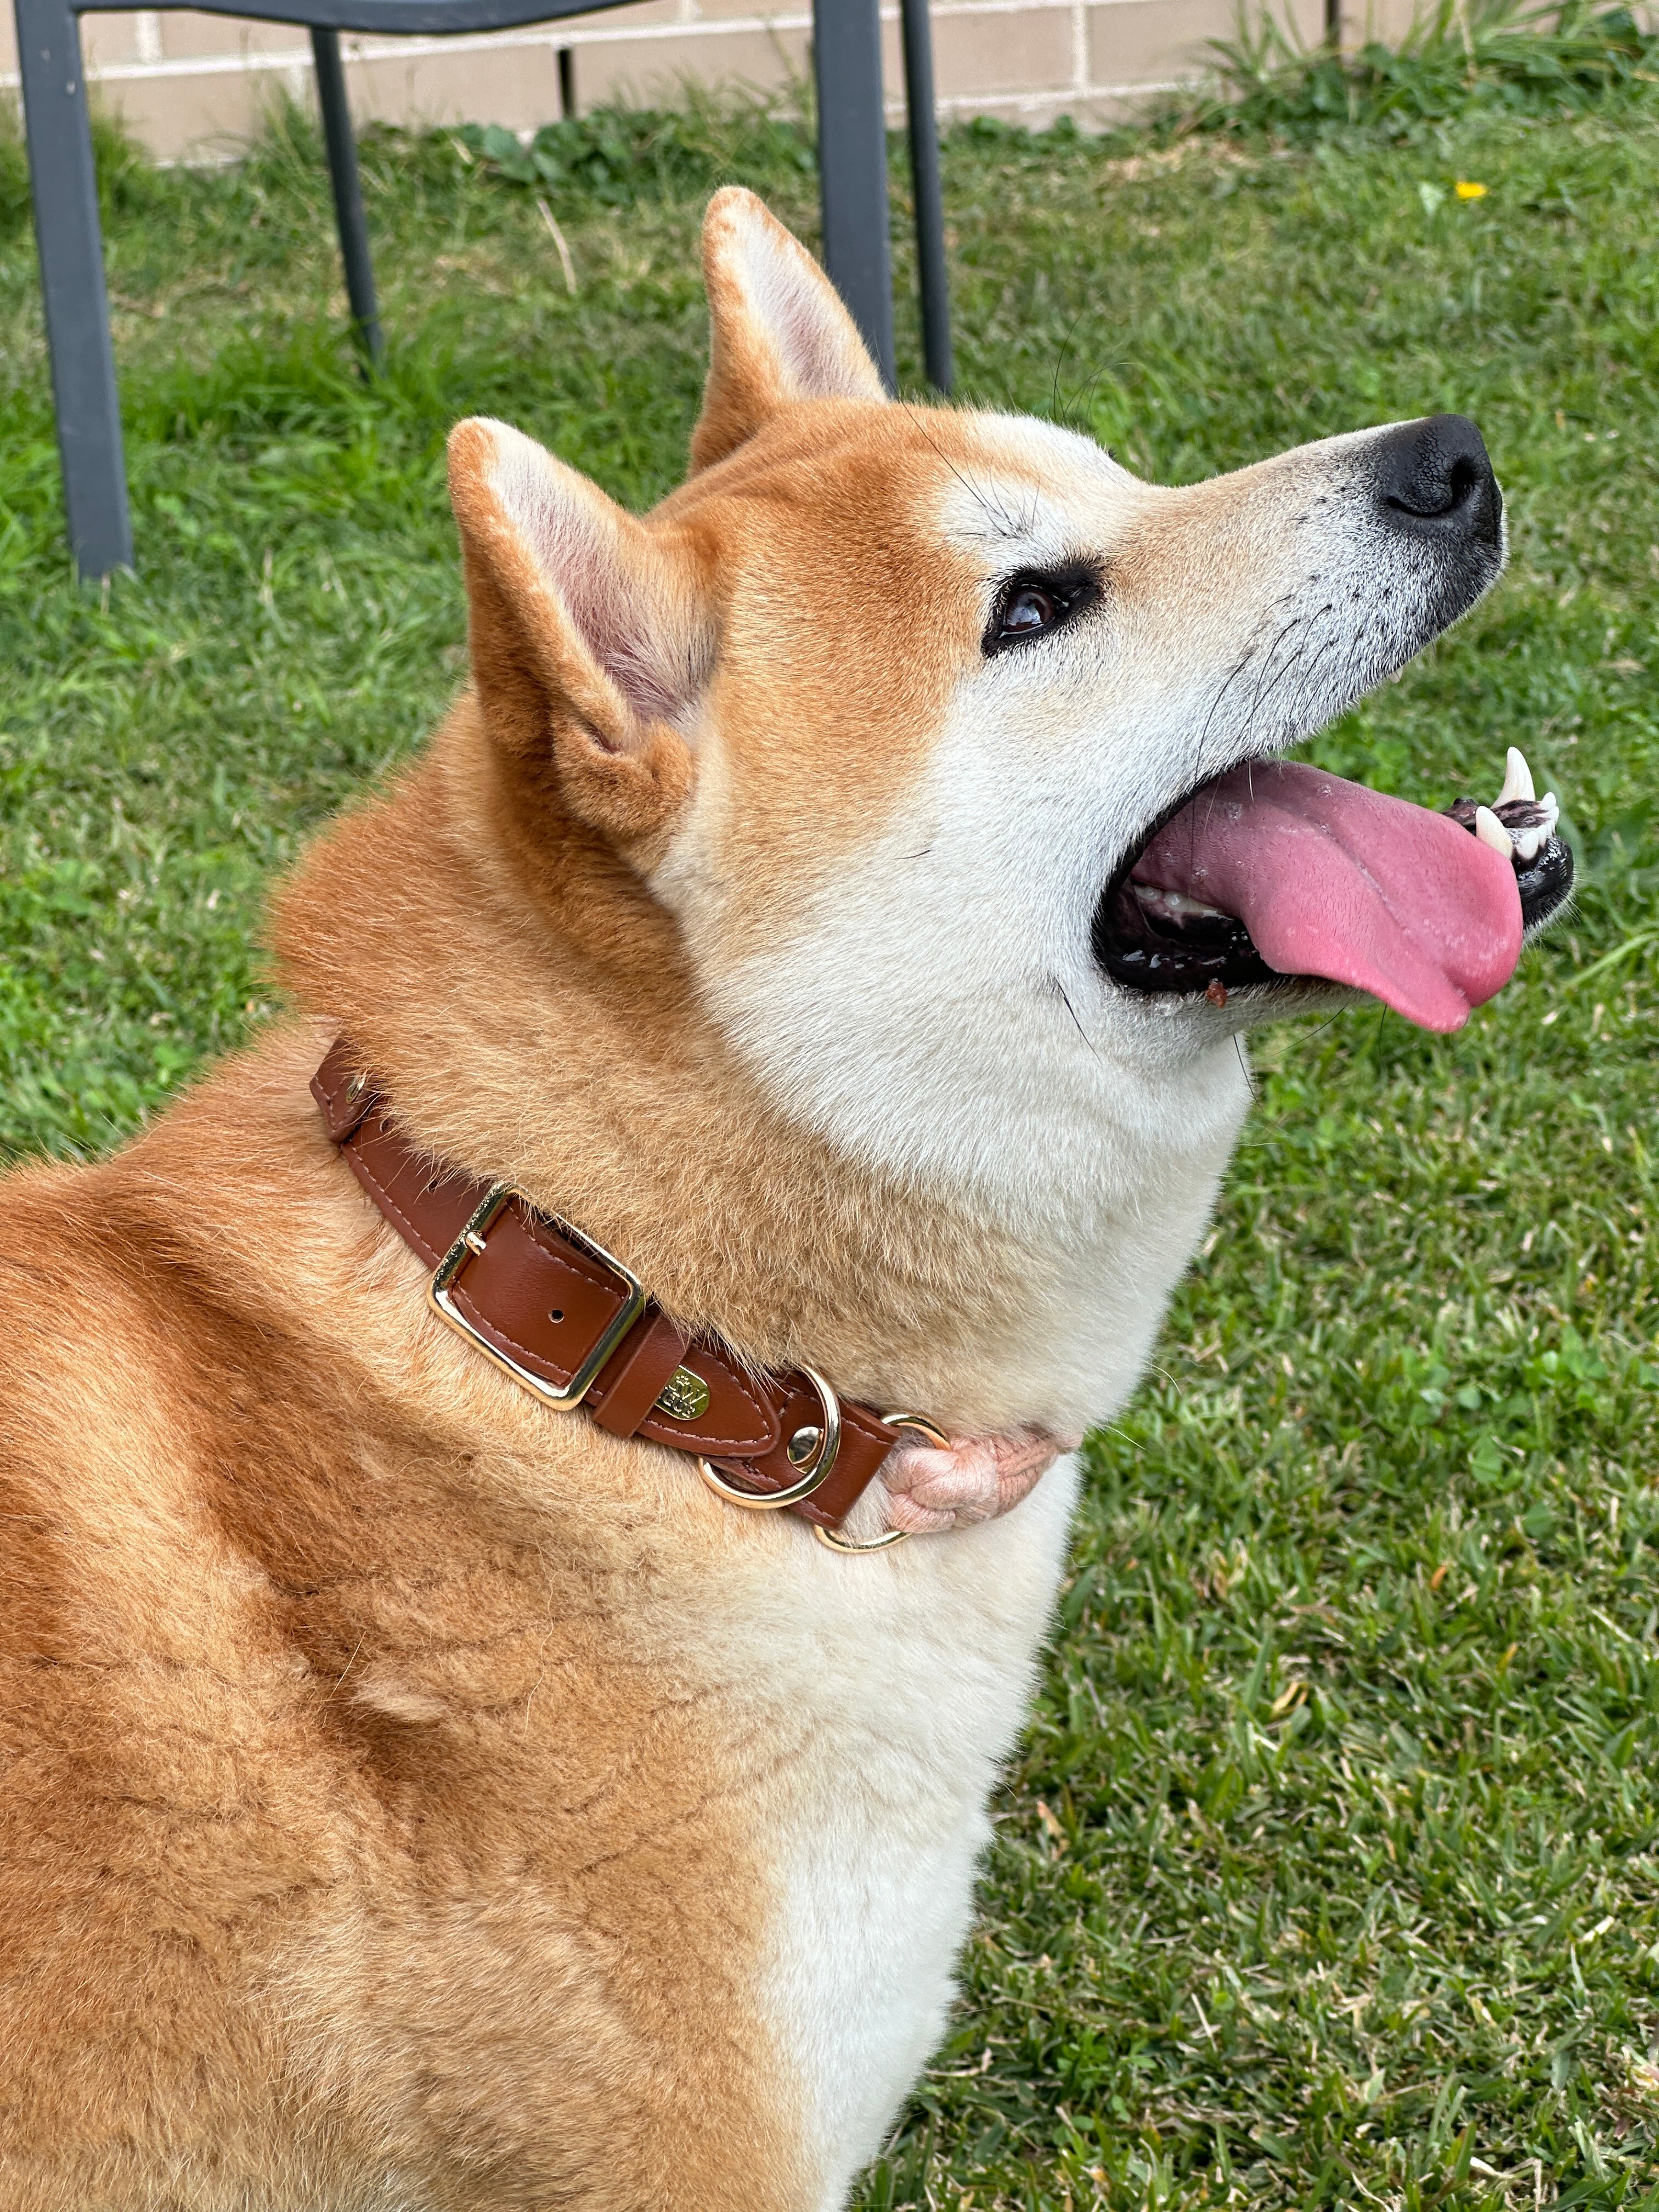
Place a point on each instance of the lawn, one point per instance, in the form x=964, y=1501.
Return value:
x=1329, y=1872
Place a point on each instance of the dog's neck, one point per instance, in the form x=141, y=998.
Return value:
x=530, y=1013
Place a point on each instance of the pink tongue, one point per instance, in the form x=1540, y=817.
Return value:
x=1332, y=879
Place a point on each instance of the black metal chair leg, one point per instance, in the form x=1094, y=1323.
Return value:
x=66, y=233
x=348, y=191
x=853, y=167
x=930, y=204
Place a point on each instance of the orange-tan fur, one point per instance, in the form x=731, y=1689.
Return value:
x=400, y=1782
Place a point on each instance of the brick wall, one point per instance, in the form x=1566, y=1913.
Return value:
x=191, y=86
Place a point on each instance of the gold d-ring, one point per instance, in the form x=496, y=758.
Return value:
x=815, y=1467
x=923, y=1427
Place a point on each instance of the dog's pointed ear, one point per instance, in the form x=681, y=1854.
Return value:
x=588, y=633
x=777, y=330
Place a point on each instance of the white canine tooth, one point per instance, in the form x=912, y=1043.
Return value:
x=1550, y=801
x=1517, y=777
x=1528, y=843
x=1491, y=831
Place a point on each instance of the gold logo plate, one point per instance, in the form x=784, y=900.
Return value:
x=684, y=1396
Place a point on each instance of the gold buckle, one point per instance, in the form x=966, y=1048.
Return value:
x=817, y=1464
x=469, y=1244
x=832, y=1537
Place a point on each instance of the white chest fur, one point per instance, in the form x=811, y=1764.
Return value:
x=917, y=1679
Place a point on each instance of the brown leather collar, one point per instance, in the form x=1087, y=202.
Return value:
x=570, y=1324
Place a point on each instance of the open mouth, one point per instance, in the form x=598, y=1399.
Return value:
x=1276, y=873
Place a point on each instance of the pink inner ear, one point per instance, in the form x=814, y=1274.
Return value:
x=785, y=302
x=819, y=354
x=615, y=592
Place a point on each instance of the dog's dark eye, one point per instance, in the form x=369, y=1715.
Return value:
x=1027, y=610
x=1030, y=605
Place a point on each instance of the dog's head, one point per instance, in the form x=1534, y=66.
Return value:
x=951, y=746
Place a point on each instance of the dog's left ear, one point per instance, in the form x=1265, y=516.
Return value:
x=777, y=330
x=588, y=633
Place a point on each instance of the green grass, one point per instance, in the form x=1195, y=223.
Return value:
x=1329, y=1875
x=1459, y=56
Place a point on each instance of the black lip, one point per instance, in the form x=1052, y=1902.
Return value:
x=1545, y=882
x=1138, y=954
x=1144, y=955
x=1546, y=885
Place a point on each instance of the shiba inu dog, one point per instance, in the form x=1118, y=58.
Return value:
x=777, y=1048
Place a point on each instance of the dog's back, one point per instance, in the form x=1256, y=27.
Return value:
x=160, y=1817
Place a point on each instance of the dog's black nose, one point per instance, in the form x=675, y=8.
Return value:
x=1434, y=479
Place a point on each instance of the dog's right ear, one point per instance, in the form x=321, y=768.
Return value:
x=777, y=330
x=588, y=634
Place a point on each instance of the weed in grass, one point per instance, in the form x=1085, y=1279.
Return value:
x=1460, y=57
x=1329, y=1875
x=616, y=156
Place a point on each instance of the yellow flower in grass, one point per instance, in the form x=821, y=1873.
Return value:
x=1466, y=191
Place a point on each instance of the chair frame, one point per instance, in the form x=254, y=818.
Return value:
x=852, y=178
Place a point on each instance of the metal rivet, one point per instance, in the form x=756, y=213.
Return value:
x=802, y=1446
x=356, y=1087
